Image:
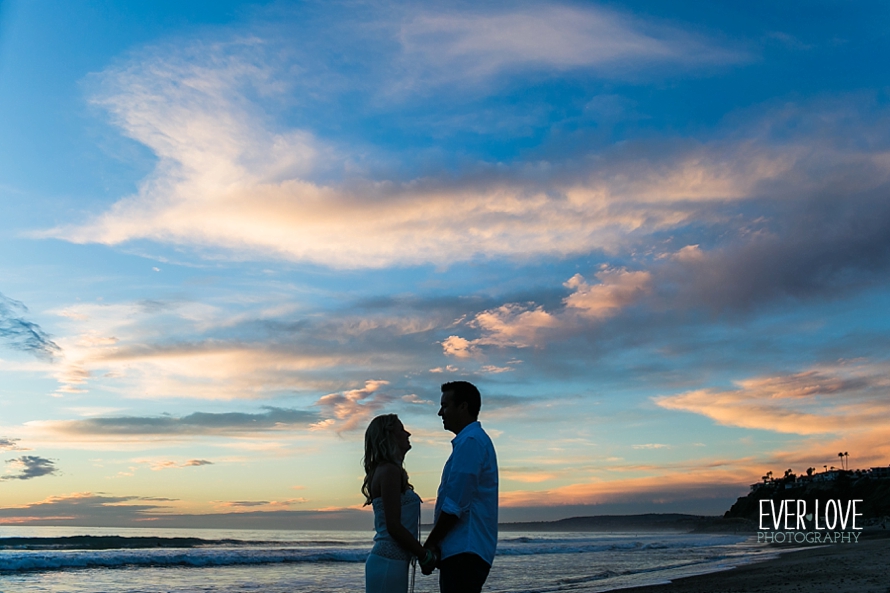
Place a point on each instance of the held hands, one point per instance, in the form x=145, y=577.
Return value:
x=429, y=561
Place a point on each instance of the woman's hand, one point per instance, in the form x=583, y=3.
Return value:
x=429, y=562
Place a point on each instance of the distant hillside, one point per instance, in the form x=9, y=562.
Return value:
x=634, y=523
x=869, y=486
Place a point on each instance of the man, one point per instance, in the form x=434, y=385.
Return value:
x=466, y=518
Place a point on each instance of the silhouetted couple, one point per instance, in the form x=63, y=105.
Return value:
x=464, y=536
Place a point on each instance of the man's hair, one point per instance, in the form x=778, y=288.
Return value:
x=464, y=391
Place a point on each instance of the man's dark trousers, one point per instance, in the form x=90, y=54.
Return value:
x=463, y=573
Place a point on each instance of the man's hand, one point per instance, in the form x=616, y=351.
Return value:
x=430, y=562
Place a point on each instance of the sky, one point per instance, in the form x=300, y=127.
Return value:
x=655, y=235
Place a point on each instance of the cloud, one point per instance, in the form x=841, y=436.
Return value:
x=196, y=463
x=256, y=505
x=458, y=347
x=831, y=407
x=261, y=349
x=513, y=324
x=476, y=45
x=102, y=510
x=617, y=289
x=195, y=424
x=162, y=464
x=495, y=370
x=28, y=467
x=213, y=370
x=822, y=249
x=524, y=325
x=351, y=409
x=18, y=333
x=131, y=351
x=229, y=178
x=741, y=219
x=81, y=508
x=8, y=444
x=839, y=399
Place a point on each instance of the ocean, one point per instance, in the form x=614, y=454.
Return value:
x=145, y=560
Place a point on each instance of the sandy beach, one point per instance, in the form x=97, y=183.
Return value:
x=838, y=568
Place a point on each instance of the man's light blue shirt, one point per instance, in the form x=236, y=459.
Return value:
x=469, y=491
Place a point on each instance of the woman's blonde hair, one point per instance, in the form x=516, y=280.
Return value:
x=381, y=448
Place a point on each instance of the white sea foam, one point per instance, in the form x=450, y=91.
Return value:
x=59, y=560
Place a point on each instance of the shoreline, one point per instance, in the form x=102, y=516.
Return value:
x=828, y=568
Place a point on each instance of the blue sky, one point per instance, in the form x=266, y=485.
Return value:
x=655, y=235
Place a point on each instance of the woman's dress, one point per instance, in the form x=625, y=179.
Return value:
x=386, y=570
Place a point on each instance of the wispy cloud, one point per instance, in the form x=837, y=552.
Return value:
x=83, y=508
x=156, y=351
x=28, y=467
x=196, y=424
x=18, y=333
x=768, y=200
x=103, y=510
x=262, y=350
x=474, y=45
x=162, y=464
x=259, y=505
x=246, y=187
x=781, y=239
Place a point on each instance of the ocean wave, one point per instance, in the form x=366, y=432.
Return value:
x=117, y=542
x=535, y=546
x=47, y=554
x=19, y=561
x=608, y=574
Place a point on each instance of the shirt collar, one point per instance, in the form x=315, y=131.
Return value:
x=471, y=427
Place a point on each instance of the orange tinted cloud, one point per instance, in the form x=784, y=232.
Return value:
x=523, y=325
x=513, y=325
x=349, y=410
x=839, y=399
x=617, y=288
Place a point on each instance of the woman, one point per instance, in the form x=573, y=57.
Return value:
x=396, y=507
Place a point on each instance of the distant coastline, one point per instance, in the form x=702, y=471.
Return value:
x=647, y=522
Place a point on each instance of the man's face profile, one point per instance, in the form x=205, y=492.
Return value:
x=451, y=412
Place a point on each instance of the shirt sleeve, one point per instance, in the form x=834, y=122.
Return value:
x=463, y=480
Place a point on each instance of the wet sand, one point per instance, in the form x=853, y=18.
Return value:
x=863, y=567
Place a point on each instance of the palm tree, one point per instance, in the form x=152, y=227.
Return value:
x=841, y=455
x=847, y=456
